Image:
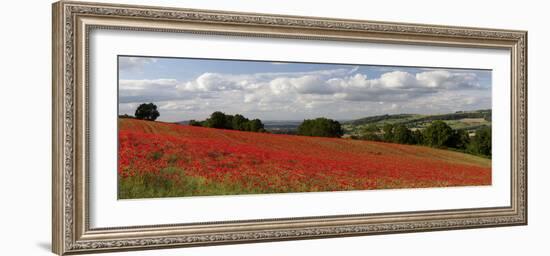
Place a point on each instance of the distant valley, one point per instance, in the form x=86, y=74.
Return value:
x=460, y=120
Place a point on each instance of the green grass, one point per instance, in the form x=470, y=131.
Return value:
x=169, y=182
x=173, y=182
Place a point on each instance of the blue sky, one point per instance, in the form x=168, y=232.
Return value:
x=185, y=88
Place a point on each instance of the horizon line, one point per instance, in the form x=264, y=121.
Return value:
x=346, y=119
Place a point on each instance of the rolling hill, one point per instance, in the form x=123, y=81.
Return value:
x=466, y=120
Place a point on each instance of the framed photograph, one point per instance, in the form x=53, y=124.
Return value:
x=179, y=127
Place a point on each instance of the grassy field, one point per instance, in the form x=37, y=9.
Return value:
x=170, y=160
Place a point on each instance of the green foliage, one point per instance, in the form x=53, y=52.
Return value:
x=228, y=122
x=218, y=120
x=155, y=155
x=457, y=120
x=411, y=118
x=175, y=182
x=485, y=114
x=401, y=134
x=147, y=111
x=392, y=133
x=169, y=182
x=460, y=139
x=237, y=122
x=371, y=132
x=321, y=127
x=126, y=116
x=417, y=137
x=438, y=135
x=195, y=123
x=388, y=132
x=255, y=125
x=371, y=128
x=481, y=143
x=381, y=118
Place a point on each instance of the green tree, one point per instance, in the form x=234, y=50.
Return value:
x=460, y=139
x=228, y=124
x=371, y=132
x=402, y=134
x=438, y=134
x=371, y=128
x=217, y=120
x=147, y=111
x=388, y=132
x=417, y=137
x=195, y=123
x=255, y=125
x=481, y=142
x=239, y=122
x=321, y=127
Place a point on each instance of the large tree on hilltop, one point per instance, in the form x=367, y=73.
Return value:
x=147, y=111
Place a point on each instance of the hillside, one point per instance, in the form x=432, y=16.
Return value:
x=466, y=120
x=186, y=160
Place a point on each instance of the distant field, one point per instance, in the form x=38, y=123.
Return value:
x=467, y=123
x=464, y=120
x=159, y=159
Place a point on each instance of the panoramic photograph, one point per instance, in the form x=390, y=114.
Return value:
x=204, y=127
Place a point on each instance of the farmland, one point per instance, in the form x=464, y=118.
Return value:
x=469, y=121
x=159, y=159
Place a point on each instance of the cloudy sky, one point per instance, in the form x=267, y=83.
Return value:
x=185, y=89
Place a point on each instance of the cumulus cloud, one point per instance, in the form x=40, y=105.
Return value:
x=448, y=80
x=212, y=82
x=312, y=93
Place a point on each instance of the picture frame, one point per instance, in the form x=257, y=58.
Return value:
x=73, y=23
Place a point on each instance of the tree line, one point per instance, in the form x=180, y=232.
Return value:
x=438, y=135
x=219, y=120
x=320, y=127
x=237, y=122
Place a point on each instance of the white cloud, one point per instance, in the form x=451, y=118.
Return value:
x=448, y=80
x=212, y=82
x=398, y=79
x=280, y=85
x=275, y=95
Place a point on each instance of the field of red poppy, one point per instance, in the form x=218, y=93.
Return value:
x=169, y=160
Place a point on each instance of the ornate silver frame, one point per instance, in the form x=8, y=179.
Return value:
x=72, y=22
